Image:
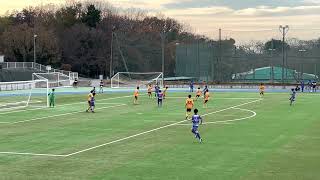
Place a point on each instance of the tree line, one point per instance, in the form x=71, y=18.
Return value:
x=78, y=37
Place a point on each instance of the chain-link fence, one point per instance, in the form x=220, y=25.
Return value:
x=250, y=59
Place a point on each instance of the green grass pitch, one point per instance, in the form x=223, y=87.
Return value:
x=245, y=138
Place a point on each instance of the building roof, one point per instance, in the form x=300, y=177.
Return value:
x=265, y=73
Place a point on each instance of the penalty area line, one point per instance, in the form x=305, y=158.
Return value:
x=58, y=115
x=125, y=138
x=153, y=130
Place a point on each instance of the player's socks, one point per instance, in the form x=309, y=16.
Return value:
x=193, y=132
x=198, y=136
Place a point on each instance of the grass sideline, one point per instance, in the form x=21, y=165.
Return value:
x=270, y=145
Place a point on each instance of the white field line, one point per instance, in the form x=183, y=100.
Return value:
x=213, y=98
x=18, y=107
x=229, y=121
x=9, y=112
x=83, y=102
x=129, y=137
x=4, y=122
x=33, y=154
x=156, y=129
x=226, y=123
x=12, y=108
x=13, y=103
x=58, y=115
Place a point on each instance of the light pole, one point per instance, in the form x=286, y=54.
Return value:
x=302, y=51
x=272, y=69
x=111, y=53
x=284, y=30
x=163, y=39
x=220, y=56
x=34, y=49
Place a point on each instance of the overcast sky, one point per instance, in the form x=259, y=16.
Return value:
x=242, y=19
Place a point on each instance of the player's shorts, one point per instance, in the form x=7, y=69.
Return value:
x=194, y=128
x=89, y=102
x=197, y=96
x=205, y=101
x=189, y=109
x=159, y=100
x=149, y=92
x=262, y=92
x=136, y=97
x=92, y=103
x=101, y=86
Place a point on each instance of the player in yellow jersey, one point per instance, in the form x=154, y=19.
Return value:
x=262, y=89
x=150, y=91
x=189, y=106
x=136, y=94
x=90, y=95
x=198, y=93
x=206, y=98
x=165, y=92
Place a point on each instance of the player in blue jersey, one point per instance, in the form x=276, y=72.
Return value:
x=302, y=86
x=92, y=102
x=293, y=96
x=191, y=86
x=196, y=121
x=205, y=90
x=160, y=96
x=156, y=90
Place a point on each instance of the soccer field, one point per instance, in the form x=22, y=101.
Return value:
x=245, y=137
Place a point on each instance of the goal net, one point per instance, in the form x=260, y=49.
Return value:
x=55, y=79
x=20, y=94
x=134, y=79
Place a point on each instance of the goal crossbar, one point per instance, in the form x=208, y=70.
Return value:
x=133, y=79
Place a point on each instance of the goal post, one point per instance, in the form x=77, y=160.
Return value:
x=21, y=94
x=134, y=79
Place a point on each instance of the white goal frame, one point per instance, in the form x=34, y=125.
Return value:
x=115, y=80
x=25, y=85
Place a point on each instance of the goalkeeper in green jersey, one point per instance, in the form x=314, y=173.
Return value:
x=52, y=98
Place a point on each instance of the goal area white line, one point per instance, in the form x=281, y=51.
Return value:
x=58, y=115
x=82, y=102
x=125, y=138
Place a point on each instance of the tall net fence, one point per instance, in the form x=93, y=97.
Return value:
x=54, y=79
x=15, y=69
x=252, y=56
